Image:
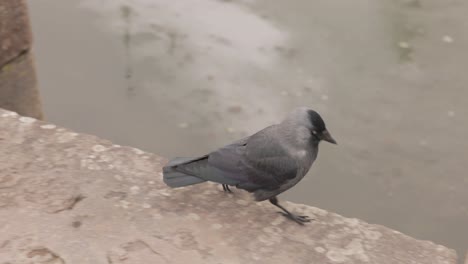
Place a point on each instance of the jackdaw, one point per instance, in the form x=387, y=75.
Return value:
x=266, y=163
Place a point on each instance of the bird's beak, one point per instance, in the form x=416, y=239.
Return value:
x=327, y=137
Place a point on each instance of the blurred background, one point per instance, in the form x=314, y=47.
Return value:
x=181, y=78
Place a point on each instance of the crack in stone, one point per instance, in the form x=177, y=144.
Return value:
x=45, y=255
x=4, y=244
x=71, y=203
x=19, y=56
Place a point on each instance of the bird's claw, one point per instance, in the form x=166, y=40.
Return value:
x=300, y=219
x=226, y=188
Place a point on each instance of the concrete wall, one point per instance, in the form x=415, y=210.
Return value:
x=69, y=198
x=18, y=85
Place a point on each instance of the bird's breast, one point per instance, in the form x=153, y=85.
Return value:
x=301, y=154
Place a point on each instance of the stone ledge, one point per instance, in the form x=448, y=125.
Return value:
x=74, y=198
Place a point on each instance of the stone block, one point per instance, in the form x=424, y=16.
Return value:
x=18, y=90
x=70, y=198
x=15, y=31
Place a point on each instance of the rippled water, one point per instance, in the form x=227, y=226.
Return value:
x=185, y=77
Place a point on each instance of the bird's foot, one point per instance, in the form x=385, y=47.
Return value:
x=300, y=219
x=226, y=188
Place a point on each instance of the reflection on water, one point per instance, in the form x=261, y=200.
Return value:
x=126, y=12
x=190, y=76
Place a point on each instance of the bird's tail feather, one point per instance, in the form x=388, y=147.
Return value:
x=176, y=178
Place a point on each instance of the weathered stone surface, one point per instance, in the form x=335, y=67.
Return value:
x=18, y=87
x=18, y=91
x=15, y=32
x=74, y=198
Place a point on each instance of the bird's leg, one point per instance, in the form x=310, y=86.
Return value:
x=300, y=219
x=226, y=188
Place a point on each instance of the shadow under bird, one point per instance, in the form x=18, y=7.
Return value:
x=266, y=163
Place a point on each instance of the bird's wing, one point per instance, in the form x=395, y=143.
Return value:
x=269, y=162
x=257, y=162
x=221, y=166
x=252, y=163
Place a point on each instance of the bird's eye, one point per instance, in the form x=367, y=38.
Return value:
x=314, y=132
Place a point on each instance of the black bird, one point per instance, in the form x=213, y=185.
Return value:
x=266, y=164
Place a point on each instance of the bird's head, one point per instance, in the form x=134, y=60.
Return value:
x=310, y=119
x=317, y=127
